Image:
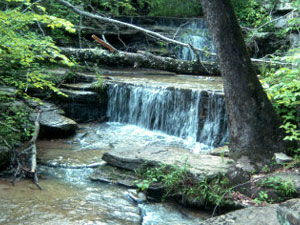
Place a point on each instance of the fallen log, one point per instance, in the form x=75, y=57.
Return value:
x=143, y=60
x=159, y=36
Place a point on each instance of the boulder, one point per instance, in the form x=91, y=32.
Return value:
x=287, y=176
x=289, y=212
x=282, y=158
x=277, y=214
x=240, y=173
x=55, y=125
x=249, y=216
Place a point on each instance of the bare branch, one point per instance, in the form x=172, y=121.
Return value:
x=103, y=43
x=120, y=23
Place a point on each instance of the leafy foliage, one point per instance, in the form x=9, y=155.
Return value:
x=252, y=13
x=176, y=179
x=174, y=8
x=283, y=88
x=284, y=190
x=15, y=127
x=24, y=51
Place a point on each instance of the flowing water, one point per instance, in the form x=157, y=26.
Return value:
x=193, y=31
x=69, y=197
x=145, y=112
x=178, y=107
x=196, y=33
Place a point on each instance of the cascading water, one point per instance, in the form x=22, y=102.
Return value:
x=194, y=115
x=192, y=31
x=196, y=34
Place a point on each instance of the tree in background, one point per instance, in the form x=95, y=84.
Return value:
x=253, y=122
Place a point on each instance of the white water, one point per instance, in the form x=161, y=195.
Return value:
x=196, y=33
x=197, y=117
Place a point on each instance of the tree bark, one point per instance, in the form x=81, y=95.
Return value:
x=253, y=123
x=144, y=60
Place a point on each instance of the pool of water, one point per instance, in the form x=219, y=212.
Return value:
x=69, y=197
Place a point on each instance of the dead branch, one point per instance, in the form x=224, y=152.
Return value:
x=120, y=23
x=103, y=43
x=155, y=34
x=30, y=148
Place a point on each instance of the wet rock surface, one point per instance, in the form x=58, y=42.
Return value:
x=113, y=175
x=56, y=125
x=53, y=122
x=85, y=102
x=276, y=214
x=289, y=212
x=68, y=195
x=200, y=165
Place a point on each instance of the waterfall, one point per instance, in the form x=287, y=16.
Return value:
x=196, y=33
x=197, y=116
x=192, y=31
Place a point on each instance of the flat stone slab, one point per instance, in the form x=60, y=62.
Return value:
x=200, y=165
x=80, y=96
x=79, y=86
x=284, y=213
x=56, y=125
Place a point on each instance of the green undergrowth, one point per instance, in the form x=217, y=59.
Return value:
x=282, y=189
x=15, y=126
x=25, y=54
x=283, y=89
x=178, y=180
x=210, y=192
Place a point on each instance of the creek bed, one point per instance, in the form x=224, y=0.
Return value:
x=69, y=197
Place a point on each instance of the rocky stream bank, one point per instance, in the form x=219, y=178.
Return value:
x=109, y=150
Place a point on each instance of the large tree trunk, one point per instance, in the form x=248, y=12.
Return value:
x=144, y=60
x=253, y=123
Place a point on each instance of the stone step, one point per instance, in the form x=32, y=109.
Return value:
x=79, y=86
x=80, y=96
x=134, y=72
x=85, y=77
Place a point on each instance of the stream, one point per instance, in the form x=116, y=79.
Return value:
x=69, y=197
x=145, y=112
